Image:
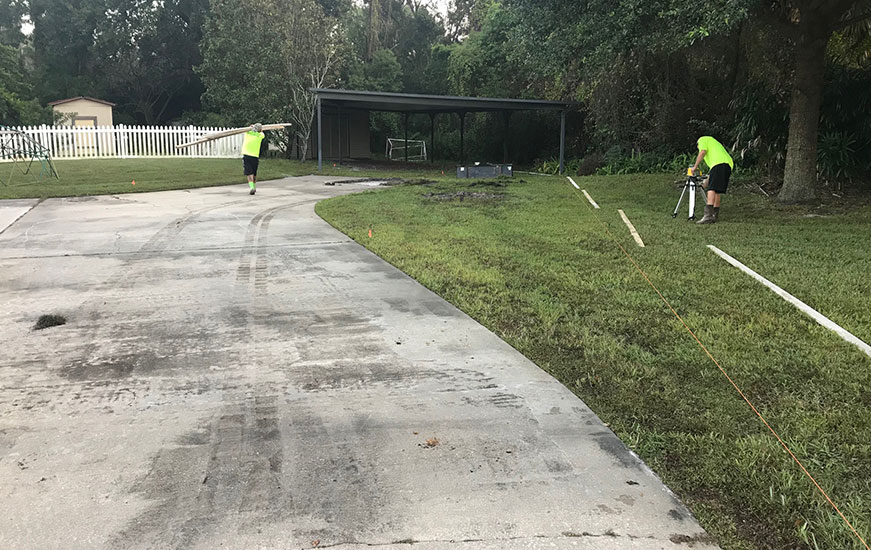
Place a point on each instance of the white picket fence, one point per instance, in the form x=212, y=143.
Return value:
x=69, y=142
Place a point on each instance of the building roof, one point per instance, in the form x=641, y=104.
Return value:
x=417, y=103
x=86, y=98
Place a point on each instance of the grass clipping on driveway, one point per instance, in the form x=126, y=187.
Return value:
x=537, y=268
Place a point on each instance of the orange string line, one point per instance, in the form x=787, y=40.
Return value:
x=729, y=378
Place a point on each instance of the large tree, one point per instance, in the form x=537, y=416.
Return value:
x=138, y=54
x=602, y=34
x=12, y=13
x=147, y=51
x=18, y=105
x=261, y=57
x=809, y=25
x=466, y=16
x=64, y=37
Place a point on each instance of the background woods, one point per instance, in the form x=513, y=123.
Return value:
x=782, y=82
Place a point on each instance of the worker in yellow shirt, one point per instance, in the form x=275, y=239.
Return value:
x=251, y=154
x=720, y=166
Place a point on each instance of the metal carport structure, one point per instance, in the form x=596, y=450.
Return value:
x=349, y=100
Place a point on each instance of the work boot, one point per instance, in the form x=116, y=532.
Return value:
x=709, y=215
x=716, y=213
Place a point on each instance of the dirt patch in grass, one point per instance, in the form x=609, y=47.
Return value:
x=419, y=181
x=497, y=182
x=464, y=195
x=691, y=540
x=384, y=182
x=48, y=321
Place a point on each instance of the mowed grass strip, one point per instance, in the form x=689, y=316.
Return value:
x=531, y=261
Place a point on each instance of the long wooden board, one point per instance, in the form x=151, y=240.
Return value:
x=226, y=133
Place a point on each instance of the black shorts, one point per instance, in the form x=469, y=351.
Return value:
x=249, y=165
x=718, y=180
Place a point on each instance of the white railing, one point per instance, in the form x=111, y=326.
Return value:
x=69, y=142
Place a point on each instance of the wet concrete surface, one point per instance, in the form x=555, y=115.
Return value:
x=234, y=373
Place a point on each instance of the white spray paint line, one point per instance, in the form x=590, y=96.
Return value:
x=631, y=227
x=589, y=198
x=584, y=191
x=811, y=312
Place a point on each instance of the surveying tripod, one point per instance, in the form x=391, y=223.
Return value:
x=693, y=185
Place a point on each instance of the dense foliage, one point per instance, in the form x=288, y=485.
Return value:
x=652, y=76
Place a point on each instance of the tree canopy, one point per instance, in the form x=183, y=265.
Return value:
x=768, y=77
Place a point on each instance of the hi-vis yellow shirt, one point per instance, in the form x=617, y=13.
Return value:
x=251, y=143
x=716, y=153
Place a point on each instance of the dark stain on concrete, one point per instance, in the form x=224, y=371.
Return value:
x=626, y=499
x=507, y=401
x=440, y=308
x=365, y=375
x=195, y=438
x=228, y=483
x=608, y=510
x=122, y=366
x=558, y=466
x=609, y=443
x=677, y=514
x=399, y=304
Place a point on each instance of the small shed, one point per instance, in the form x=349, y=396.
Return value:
x=87, y=112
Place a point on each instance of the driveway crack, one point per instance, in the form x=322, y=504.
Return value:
x=564, y=535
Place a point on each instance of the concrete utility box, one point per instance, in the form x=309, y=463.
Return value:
x=485, y=171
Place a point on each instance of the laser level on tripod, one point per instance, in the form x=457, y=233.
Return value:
x=694, y=184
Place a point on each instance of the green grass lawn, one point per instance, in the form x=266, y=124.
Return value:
x=531, y=261
x=113, y=176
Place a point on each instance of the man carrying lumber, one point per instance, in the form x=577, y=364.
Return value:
x=251, y=154
x=720, y=167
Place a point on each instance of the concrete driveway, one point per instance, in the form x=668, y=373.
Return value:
x=235, y=373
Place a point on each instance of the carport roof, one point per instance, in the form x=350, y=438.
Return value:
x=417, y=103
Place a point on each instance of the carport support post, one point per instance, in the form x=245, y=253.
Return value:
x=506, y=116
x=432, y=138
x=405, y=123
x=562, y=143
x=462, y=136
x=339, y=117
x=320, y=140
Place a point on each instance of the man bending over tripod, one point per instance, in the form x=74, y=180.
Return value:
x=720, y=166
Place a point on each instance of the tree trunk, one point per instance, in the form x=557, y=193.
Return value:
x=800, y=175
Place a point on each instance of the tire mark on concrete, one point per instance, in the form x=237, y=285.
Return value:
x=256, y=240
x=87, y=361
x=224, y=477
x=162, y=239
